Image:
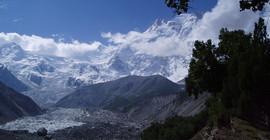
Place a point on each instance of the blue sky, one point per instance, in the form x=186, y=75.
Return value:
x=85, y=20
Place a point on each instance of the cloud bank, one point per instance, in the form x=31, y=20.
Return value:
x=148, y=42
x=47, y=46
x=225, y=14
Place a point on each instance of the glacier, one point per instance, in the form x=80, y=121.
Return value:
x=60, y=118
x=53, y=120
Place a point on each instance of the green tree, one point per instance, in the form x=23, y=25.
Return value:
x=176, y=127
x=181, y=6
x=204, y=70
x=237, y=72
x=255, y=5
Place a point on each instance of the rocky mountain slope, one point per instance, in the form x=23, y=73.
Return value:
x=140, y=98
x=49, y=78
x=10, y=80
x=14, y=105
x=120, y=94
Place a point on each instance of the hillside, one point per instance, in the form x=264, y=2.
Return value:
x=14, y=105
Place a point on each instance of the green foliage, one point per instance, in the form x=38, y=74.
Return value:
x=255, y=5
x=237, y=73
x=204, y=67
x=181, y=6
x=176, y=127
x=219, y=116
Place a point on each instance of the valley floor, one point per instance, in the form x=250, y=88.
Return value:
x=18, y=135
x=241, y=129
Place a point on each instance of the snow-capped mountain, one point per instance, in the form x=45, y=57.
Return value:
x=50, y=78
x=180, y=25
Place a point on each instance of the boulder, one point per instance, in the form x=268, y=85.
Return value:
x=42, y=131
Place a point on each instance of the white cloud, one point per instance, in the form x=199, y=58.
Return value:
x=55, y=35
x=106, y=35
x=148, y=42
x=47, y=46
x=119, y=38
x=17, y=20
x=226, y=14
x=3, y=5
x=266, y=16
x=162, y=46
x=142, y=42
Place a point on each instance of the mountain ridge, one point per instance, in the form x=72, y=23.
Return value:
x=14, y=105
x=142, y=98
x=130, y=88
x=10, y=80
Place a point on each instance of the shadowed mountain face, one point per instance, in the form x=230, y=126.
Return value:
x=120, y=94
x=14, y=105
x=10, y=80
